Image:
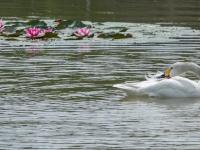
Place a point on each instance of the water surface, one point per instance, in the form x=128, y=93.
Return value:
x=58, y=94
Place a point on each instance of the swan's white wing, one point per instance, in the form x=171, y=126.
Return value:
x=137, y=87
x=173, y=87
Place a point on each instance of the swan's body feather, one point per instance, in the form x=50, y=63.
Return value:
x=173, y=87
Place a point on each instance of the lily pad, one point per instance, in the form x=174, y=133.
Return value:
x=11, y=39
x=121, y=29
x=114, y=35
x=16, y=24
x=73, y=38
x=50, y=35
x=9, y=29
x=37, y=23
x=12, y=32
x=124, y=29
x=70, y=24
x=16, y=34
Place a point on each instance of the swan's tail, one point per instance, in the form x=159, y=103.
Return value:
x=126, y=86
x=130, y=89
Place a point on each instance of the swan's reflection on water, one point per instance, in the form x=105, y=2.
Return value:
x=169, y=102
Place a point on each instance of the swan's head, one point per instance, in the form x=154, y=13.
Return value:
x=172, y=70
x=180, y=68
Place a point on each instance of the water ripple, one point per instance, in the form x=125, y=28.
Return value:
x=60, y=96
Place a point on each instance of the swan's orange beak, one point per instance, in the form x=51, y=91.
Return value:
x=167, y=73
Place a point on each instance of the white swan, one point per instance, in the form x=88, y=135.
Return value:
x=169, y=84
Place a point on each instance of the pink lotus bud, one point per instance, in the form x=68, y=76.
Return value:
x=48, y=30
x=1, y=26
x=58, y=21
x=83, y=32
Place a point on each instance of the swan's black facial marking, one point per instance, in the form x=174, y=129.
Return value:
x=162, y=76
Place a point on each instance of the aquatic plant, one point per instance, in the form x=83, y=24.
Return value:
x=58, y=21
x=69, y=29
x=2, y=27
x=37, y=23
x=115, y=35
x=62, y=24
x=83, y=32
x=34, y=32
x=48, y=30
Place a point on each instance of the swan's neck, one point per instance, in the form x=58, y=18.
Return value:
x=193, y=68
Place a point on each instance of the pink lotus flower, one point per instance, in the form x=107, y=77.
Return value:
x=48, y=30
x=82, y=32
x=1, y=26
x=34, y=32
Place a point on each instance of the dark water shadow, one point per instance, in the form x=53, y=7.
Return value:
x=174, y=11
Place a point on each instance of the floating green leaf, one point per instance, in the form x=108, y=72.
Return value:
x=124, y=29
x=73, y=38
x=37, y=23
x=12, y=32
x=16, y=34
x=16, y=24
x=11, y=39
x=50, y=35
x=114, y=35
x=9, y=29
x=70, y=24
x=121, y=29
